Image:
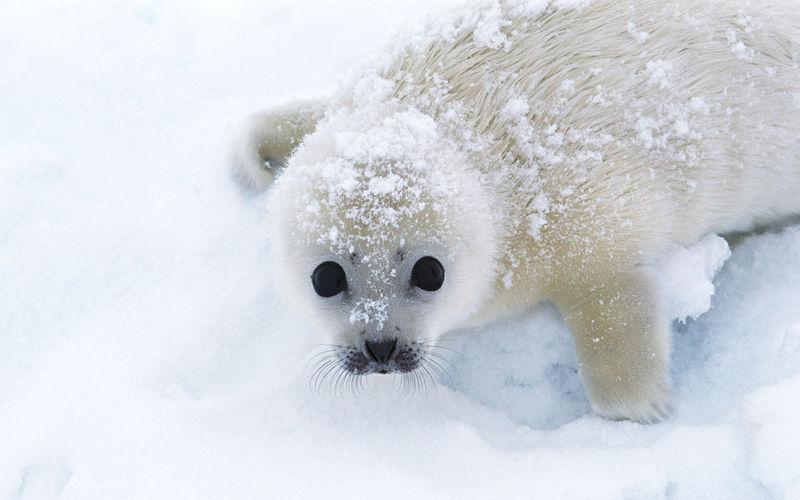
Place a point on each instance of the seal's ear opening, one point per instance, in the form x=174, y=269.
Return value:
x=265, y=141
x=253, y=166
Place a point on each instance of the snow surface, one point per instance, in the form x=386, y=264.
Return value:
x=145, y=354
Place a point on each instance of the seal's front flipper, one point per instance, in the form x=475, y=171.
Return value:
x=622, y=339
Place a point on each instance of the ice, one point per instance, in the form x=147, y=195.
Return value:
x=145, y=352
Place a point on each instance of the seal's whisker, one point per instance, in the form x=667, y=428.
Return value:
x=339, y=379
x=406, y=383
x=434, y=340
x=328, y=375
x=326, y=352
x=443, y=362
x=327, y=359
x=357, y=383
x=444, y=376
x=449, y=350
x=319, y=371
x=423, y=365
x=444, y=369
x=429, y=376
x=348, y=382
x=441, y=358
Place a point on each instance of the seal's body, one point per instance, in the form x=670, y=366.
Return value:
x=534, y=153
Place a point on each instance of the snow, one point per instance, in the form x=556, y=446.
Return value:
x=145, y=354
x=660, y=73
x=689, y=272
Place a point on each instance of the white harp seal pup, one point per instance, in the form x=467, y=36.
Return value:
x=519, y=152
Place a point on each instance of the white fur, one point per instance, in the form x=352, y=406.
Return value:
x=546, y=152
x=267, y=140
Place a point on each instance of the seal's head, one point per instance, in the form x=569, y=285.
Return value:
x=382, y=237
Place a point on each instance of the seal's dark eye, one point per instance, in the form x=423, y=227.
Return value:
x=329, y=279
x=427, y=274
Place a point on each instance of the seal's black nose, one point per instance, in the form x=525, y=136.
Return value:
x=381, y=351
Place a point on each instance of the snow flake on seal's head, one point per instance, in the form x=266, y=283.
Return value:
x=376, y=176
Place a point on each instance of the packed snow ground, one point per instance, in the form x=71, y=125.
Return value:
x=144, y=354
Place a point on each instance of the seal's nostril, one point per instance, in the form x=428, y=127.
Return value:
x=380, y=351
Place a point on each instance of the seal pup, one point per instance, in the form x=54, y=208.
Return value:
x=518, y=152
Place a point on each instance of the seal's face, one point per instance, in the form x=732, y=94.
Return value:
x=382, y=328
x=390, y=350
x=381, y=241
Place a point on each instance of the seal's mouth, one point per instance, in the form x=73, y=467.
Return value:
x=403, y=360
x=345, y=366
